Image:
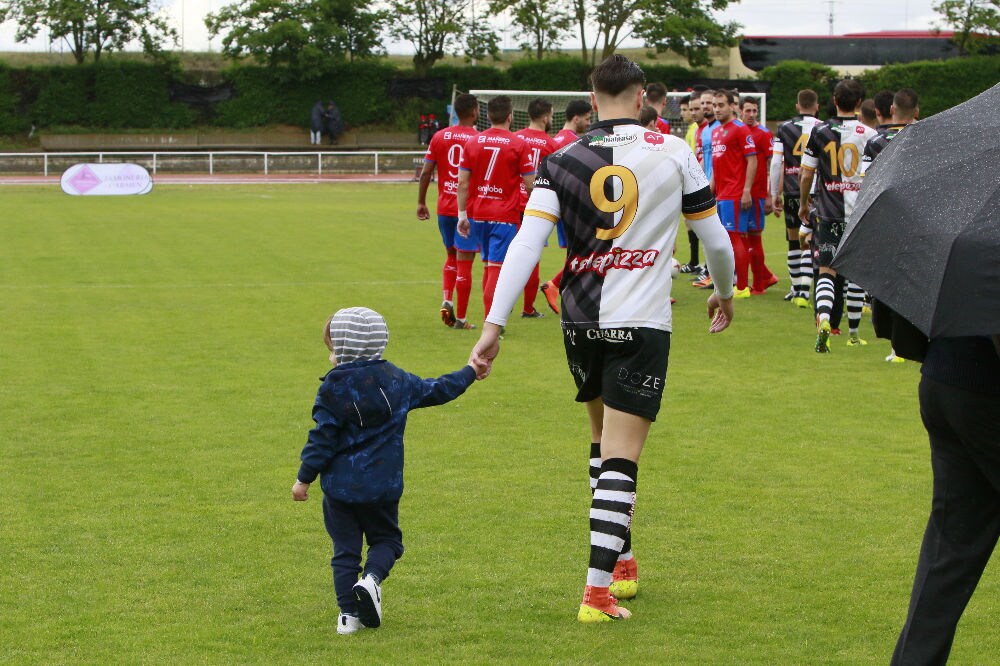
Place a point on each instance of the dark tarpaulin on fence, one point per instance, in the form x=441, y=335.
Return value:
x=189, y=94
x=431, y=88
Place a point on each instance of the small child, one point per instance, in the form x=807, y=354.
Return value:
x=357, y=450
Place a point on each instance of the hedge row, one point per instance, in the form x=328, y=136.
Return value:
x=118, y=95
x=940, y=84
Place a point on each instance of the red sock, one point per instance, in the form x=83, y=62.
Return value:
x=492, y=273
x=463, y=287
x=448, y=276
x=742, y=260
x=557, y=280
x=761, y=273
x=531, y=290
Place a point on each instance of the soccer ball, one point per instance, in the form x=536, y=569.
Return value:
x=675, y=267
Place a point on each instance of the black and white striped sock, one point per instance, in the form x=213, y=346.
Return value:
x=824, y=296
x=595, y=464
x=793, y=266
x=805, y=273
x=610, y=518
x=855, y=299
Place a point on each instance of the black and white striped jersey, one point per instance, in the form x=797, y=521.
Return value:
x=790, y=144
x=878, y=143
x=834, y=152
x=620, y=190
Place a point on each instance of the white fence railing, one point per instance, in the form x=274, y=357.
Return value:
x=222, y=162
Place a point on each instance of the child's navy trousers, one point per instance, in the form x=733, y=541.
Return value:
x=347, y=524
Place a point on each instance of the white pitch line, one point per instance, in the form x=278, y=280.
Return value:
x=222, y=285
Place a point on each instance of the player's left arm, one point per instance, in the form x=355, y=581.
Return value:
x=462, y=197
x=746, y=200
x=425, y=180
x=775, y=174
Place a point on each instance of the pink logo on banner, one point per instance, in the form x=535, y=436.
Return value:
x=106, y=179
x=84, y=180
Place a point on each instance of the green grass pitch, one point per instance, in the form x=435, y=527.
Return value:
x=160, y=356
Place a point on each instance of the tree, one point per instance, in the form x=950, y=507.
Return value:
x=92, y=26
x=682, y=26
x=976, y=23
x=432, y=26
x=541, y=25
x=299, y=33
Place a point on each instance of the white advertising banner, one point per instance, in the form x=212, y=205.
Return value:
x=106, y=179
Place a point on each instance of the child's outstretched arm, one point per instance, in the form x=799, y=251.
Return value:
x=430, y=392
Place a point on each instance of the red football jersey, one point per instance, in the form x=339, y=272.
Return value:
x=762, y=139
x=563, y=137
x=496, y=160
x=445, y=150
x=732, y=145
x=540, y=144
x=662, y=125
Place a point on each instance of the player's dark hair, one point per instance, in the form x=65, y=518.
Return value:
x=578, y=107
x=848, y=94
x=685, y=100
x=750, y=100
x=807, y=98
x=656, y=93
x=499, y=109
x=539, y=107
x=883, y=103
x=464, y=105
x=615, y=75
x=728, y=94
x=647, y=115
x=867, y=114
x=905, y=101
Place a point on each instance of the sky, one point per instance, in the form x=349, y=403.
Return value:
x=759, y=17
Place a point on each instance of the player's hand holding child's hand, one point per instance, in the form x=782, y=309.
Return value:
x=481, y=367
x=300, y=491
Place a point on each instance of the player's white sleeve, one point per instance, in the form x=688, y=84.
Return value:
x=522, y=256
x=718, y=252
x=777, y=169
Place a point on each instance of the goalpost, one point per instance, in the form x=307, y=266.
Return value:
x=560, y=98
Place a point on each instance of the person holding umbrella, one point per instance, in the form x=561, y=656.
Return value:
x=926, y=243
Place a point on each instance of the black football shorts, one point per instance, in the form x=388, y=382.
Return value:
x=626, y=367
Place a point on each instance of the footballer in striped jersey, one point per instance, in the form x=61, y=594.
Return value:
x=789, y=145
x=833, y=158
x=620, y=189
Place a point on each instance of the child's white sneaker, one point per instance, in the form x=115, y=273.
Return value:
x=369, y=595
x=348, y=624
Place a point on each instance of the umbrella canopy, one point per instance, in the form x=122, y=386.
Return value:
x=924, y=237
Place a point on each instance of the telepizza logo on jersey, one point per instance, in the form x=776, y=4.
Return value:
x=612, y=140
x=602, y=262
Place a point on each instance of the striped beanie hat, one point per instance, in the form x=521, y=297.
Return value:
x=358, y=334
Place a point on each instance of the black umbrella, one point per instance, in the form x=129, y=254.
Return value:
x=924, y=237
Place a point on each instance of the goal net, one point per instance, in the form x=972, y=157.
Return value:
x=560, y=98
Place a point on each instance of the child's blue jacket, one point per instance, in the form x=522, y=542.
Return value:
x=360, y=413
